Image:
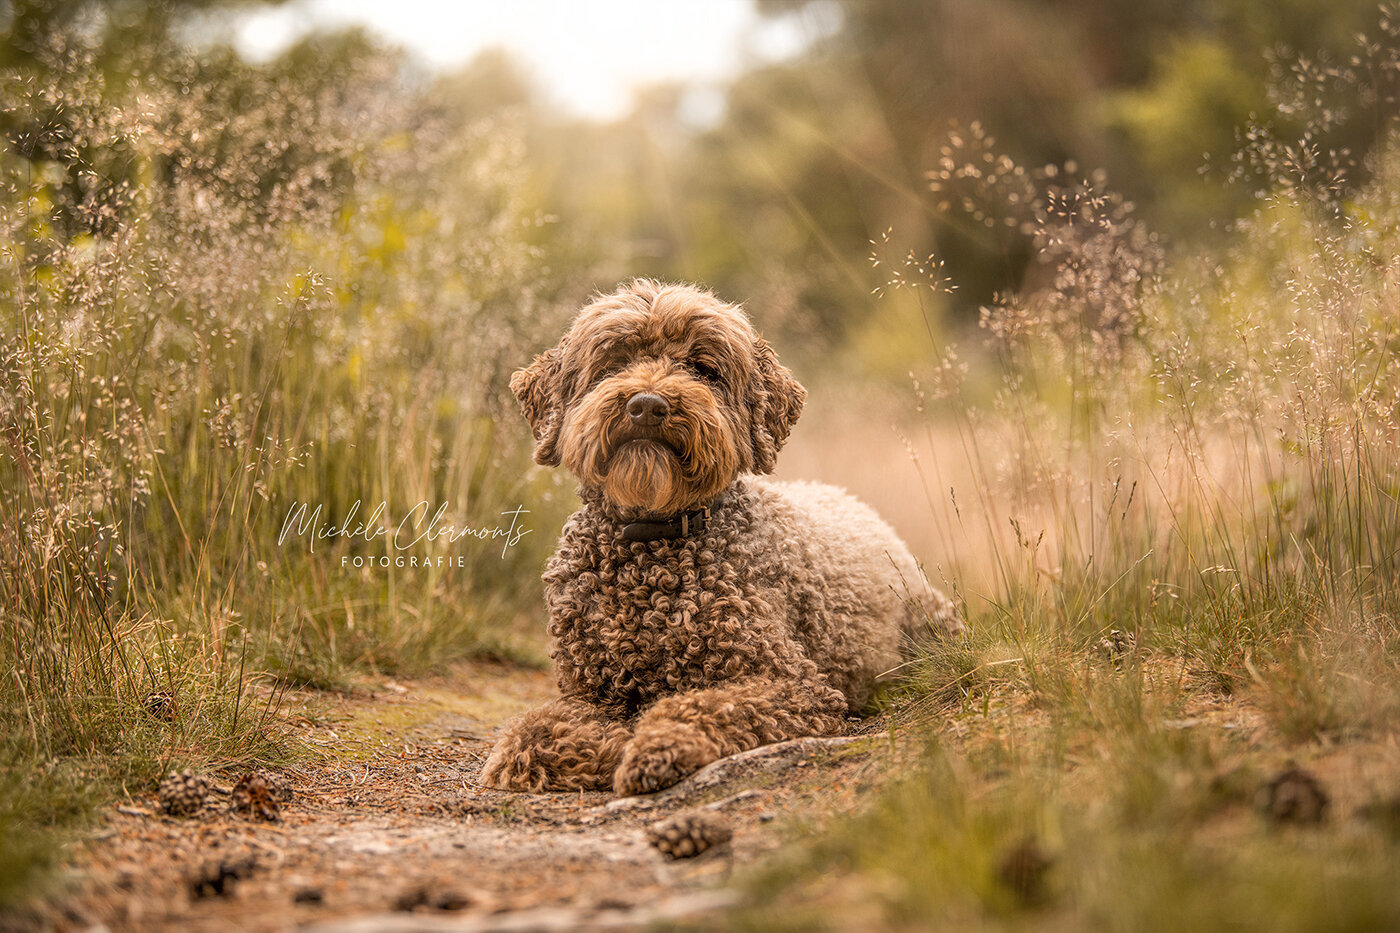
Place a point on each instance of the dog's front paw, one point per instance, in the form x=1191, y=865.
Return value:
x=662, y=757
x=513, y=767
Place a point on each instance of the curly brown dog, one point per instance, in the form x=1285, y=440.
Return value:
x=696, y=609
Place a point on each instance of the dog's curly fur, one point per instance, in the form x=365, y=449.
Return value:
x=771, y=623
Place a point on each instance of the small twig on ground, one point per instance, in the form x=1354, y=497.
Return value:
x=778, y=757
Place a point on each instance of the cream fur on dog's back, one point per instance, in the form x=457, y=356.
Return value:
x=855, y=596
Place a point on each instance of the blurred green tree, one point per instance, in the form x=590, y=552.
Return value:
x=1144, y=91
x=817, y=155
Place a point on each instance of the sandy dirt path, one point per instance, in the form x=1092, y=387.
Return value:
x=389, y=830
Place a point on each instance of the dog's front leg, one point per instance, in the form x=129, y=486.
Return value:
x=566, y=744
x=680, y=734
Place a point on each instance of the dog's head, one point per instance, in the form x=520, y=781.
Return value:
x=658, y=396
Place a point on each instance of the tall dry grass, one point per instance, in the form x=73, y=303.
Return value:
x=225, y=291
x=1205, y=455
x=1200, y=451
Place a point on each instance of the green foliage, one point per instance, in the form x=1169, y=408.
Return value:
x=228, y=292
x=1202, y=90
x=1182, y=503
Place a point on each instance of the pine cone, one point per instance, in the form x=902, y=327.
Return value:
x=161, y=705
x=1023, y=869
x=217, y=879
x=256, y=797
x=1117, y=646
x=686, y=835
x=279, y=786
x=182, y=793
x=431, y=894
x=1293, y=796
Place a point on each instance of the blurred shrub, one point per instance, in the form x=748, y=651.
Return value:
x=226, y=291
x=1204, y=450
x=1178, y=481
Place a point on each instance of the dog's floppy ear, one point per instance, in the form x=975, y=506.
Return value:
x=775, y=399
x=540, y=395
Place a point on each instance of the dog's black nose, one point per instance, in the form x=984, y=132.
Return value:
x=647, y=409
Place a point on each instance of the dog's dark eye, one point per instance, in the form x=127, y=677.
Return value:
x=704, y=370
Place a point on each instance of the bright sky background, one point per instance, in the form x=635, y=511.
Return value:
x=588, y=54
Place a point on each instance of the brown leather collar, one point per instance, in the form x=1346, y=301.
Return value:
x=665, y=529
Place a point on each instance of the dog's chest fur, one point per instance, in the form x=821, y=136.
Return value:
x=632, y=622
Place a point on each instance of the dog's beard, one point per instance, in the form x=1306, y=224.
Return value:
x=645, y=475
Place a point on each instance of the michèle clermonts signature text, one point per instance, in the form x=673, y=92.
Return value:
x=414, y=529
